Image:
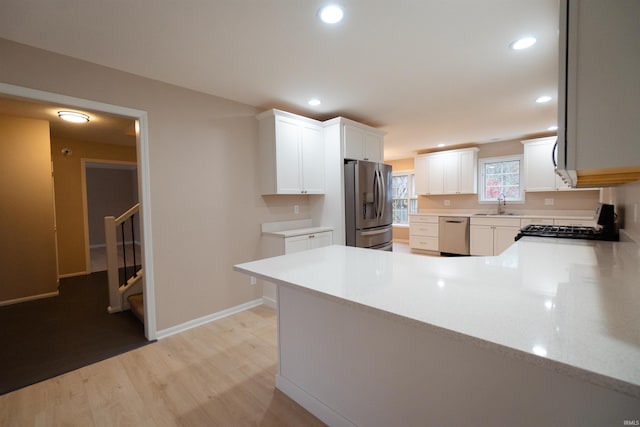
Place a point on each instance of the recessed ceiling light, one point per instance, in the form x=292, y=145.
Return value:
x=523, y=43
x=543, y=99
x=331, y=14
x=74, y=117
x=441, y=145
x=314, y=102
x=552, y=128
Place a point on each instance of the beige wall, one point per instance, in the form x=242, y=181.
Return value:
x=205, y=209
x=401, y=164
x=69, y=196
x=27, y=245
x=110, y=192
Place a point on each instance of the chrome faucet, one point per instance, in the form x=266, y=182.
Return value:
x=502, y=206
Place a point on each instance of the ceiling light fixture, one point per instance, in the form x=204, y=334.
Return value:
x=543, y=99
x=523, y=43
x=331, y=14
x=554, y=127
x=314, y=102
x=441, y=145
x=74, y=117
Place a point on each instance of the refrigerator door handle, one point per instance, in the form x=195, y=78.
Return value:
x=374, y=232
x=383, y=195
x=378, y=193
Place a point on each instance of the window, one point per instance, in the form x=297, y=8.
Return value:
x=501, y=175
x=405, y=201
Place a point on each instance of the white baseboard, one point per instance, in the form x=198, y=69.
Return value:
x=29, y=298
x=311, y=404
x=270, y=302
x=206, y=319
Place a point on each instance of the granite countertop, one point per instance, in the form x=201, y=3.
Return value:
x=569, y=305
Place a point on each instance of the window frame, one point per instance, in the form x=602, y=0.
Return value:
x=411, y=180
x=481, y=178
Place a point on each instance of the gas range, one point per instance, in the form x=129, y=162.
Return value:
x=566, y=232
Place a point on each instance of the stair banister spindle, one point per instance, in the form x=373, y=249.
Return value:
x=133, y=245
x=124, y=251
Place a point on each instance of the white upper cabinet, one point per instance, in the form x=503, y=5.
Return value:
x=539, y=169
x=599, y=94
x=291, y=154
x=447, y=172
x=363, y=143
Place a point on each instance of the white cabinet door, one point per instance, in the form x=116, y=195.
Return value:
x=360, y=144
x=353, y=142
x=421, y=175
x=313, y=167
x=288, y=167
x=481, y=240
x=468, y=168
x=539, y=172
x=373, y=147
x=435, y=165
x=503, y=237
x=318, y=240
x=451, y=173
x=296, y=244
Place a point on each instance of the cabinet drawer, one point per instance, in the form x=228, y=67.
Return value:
x=421, y=242
x=424, y=229
x=498, y=222
x=431, y=219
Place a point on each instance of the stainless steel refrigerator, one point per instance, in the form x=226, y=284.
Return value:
x=368, y=203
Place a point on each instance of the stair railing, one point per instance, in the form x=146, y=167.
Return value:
x=132, y=284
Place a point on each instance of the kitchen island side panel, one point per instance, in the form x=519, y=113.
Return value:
x=352, y=365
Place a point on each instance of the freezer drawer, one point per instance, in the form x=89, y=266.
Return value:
x=374, y=237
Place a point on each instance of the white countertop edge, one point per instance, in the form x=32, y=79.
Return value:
x=297, y=231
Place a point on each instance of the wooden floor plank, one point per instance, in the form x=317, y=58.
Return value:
x=218, y=374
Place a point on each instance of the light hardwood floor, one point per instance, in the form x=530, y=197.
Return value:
x=218, y=374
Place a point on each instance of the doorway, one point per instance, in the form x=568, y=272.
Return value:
x=142, y=168
x=110, y=188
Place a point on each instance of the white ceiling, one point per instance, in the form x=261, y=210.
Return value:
x=425, y=71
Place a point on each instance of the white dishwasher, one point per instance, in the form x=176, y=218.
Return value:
x=453, y=232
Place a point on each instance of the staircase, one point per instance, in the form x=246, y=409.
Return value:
x=136, y=303
x=127, y=294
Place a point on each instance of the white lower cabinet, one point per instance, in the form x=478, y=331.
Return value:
x=491, y=236
x=423, y=232
x=307, y=241
x=276, y=244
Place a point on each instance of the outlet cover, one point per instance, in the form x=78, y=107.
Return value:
x=548, y=202
x=253, y=280
x=447, y=202
x=296, y=209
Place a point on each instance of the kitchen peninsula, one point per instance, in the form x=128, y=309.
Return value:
x=546, y=333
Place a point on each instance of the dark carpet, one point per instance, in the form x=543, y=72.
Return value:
x=45, y=338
